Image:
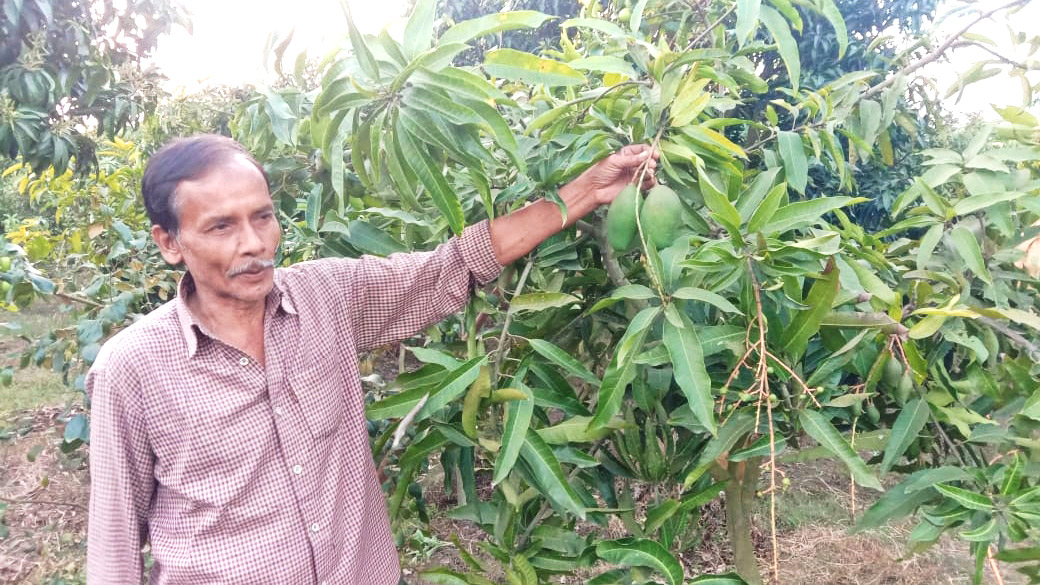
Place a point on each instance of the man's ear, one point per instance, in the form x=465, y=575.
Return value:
x=169, y=247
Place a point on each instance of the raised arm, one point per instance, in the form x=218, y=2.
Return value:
x=516, y=234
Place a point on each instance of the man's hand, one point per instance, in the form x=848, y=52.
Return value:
x=518, y=233
x=605, y=179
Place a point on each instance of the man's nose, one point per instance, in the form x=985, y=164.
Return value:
x=252, y=241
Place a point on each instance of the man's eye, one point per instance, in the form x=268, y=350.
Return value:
x=220, y=227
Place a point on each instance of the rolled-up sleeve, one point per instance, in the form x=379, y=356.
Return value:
x=122, y=480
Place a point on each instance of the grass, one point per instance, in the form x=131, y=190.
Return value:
x=32, y=387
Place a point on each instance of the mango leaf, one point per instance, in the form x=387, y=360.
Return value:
x=805, y=213
x=546, y=470
x=432, y=178
x=904, y=431
x=357, y=42
x=796, y=166
x=735, y=428
x=468, y=30
x=717, y=201
x=604, y=64
x=820, y=429
x=519, y=66
x=418, y=33
x=927, y=245
x=453, y=386
x=576, y=430
x=638, y=552
x=603, y=26
x=699, y=294
x=786, y=45
x=759, y=190
x=807, y=322
x=977, y=202
x=968, y=249
x=514, y=432
x=841, y=32
x=872, y=284
x=564, y=360
x=622, y=368
x=688, y=366
x=765, y=211
x=896, y=503
x=541, y=301
x=747, y=19
x=966, y=498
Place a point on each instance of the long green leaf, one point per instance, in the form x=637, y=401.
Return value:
x=756, y=192
x=690, y=374
x=733, y=430
x=747, y=19
x=841, y=32
x=968, y=249
x=550, y=477
x=896, y=503
x=468, y=30
x=519, y=66
x=785, y=43
x=541, y=301
x=977, y=202
x=564, y=360
x=904, y=431
x=418, y=33
x=453, y=386
x=765, y=210
x=805, y=213
x=640, y=552
x=807, y=322
x=357, y=42
x=820, y=429
x=622, y=368
x=792, y=153
x=966, y=498
x=433, y=179
x=514, y=433
x=699, y=294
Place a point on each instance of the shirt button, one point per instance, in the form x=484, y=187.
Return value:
x=315, y=527
x=297, y=469
x=278, y=410
x=244, y=361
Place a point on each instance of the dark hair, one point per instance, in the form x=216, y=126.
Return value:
x=184, y=159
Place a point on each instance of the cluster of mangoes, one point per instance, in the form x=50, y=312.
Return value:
x=660, y=216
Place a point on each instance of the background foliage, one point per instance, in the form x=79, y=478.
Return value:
x=842, y=281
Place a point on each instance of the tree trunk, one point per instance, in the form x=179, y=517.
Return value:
x=740, y=497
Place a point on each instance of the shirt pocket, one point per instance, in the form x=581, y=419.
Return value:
x=318, y=389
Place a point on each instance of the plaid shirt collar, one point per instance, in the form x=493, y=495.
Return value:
x=190, y=325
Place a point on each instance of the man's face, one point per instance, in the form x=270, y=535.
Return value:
x=228, y=234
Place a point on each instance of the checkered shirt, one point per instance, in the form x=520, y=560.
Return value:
x=238, y=473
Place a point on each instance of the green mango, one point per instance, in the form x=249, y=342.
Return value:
x=892, y=373
x=661, y=216
x=621, y=218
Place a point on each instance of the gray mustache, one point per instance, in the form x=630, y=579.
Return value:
x=250, y=266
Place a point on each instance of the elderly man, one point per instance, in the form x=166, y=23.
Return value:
x=228, y=425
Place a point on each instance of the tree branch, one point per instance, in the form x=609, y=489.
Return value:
x=930, y=57
x=711, y=27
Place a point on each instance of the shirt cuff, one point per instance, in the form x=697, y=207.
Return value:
x=477, y=252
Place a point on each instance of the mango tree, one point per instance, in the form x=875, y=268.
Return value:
x=679, y=347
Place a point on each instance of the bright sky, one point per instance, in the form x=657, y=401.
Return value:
x=227, y=46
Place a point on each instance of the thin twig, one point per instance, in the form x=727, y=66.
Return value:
x=711, y=27
x=993, y=565
x=930, y=57
x=500, y=349
x=79, y=299
x=44, y=502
